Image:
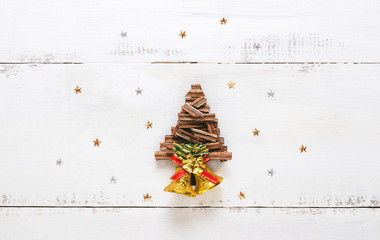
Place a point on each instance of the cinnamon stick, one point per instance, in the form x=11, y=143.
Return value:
x=210, y=127
x=215, y=145
x=183, y=134
x=220, y=155
x=192, y=111
x=204, y=133
x=205, y=109
x=196, y=86
x=195, y=93
x=166, y=155
x=191, y=125
x=196, y=101
x=188, y=117
x=201, y=136
x=200, y=103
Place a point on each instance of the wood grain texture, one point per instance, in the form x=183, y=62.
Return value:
x=256, y=31
x=330, y=192
x=331, y=109
x=115, y=223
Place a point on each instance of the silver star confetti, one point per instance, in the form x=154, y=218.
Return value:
x=113, y=180
x=271, y=94
x=123, y=34
x=59, y=162
x=271, y=172
x=138, y=91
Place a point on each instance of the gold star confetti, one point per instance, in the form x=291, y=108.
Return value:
x=231, y=84
x=123, y=34
x=147, y=197
x=78, y=90
x=182, y=34
x=138, y=91
x=96, y=142
x=303, y=148
x=223, y=21
x=113, y=179
x=255, y=132
x=148, y=125
x=59, y=162
x=241, y=195
x=270, y=94
x=271, y=172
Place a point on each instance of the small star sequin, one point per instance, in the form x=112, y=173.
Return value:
x=182, y=34
x=231, y=84
x=123, y=34
x=223, y=21
x=96, y=142
x=241, y=195
x=113, y=180
x=138, y=91
x=59, y=162
x=271, y=172
x=147, y=197
x=303, y=148
x=148, y=125
x=255, y=132
x=270, y=94
x=78, y=90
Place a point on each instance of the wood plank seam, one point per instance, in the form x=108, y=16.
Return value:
x=175, y=62
x=184, y=207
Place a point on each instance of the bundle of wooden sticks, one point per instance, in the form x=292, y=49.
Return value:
x=195, y=124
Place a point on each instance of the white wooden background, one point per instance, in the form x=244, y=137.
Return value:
x=320, y=58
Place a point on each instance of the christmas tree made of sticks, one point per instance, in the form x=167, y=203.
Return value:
x=195, y=124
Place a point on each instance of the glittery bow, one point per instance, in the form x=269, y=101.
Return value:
x=193, y=165
x=192, y=158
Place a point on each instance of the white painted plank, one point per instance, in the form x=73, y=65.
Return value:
x=287, y=31
x=332, y=109
x=115, y=223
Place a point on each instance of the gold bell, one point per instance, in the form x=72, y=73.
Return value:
x=181, y=186
x=203, y=184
